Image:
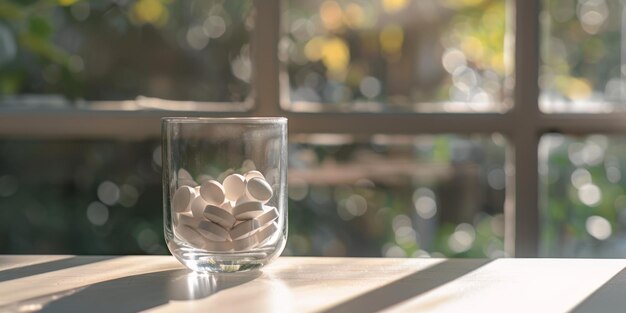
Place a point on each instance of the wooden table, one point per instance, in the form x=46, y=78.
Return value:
x=161, y=284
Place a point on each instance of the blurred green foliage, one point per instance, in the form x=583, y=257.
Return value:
x=445, y=195
x=46, y=188
x=105, y=197
x=68, y=47
x=581, y=53
x=433, y=197
x=584, y=201
x=119, y=50
x=367, y=55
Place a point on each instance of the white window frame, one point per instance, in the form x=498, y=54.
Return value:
x=523, y=125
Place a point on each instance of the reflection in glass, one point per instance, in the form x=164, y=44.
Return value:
x=366, y=55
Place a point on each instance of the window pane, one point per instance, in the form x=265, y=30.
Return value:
x=396, y=196
x=80, y=197
x=392, y=196
x=63, y=54
x=583, y=198
x=582, y=56
x=395, y=55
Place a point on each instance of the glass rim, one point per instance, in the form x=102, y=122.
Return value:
x=227, y=120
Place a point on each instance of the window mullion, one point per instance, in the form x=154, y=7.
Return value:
x=522, y=203
x=266, y=35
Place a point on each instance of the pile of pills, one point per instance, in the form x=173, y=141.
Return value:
x=228, y=216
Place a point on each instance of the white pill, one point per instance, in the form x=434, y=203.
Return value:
x=247, y=228
x=187, y=182
x=265, y=233
x=187, y=219
x=259, y=236
x=247, y=165
x=212, y=192
x=197, y=207
x=220, y=216
x=207, y=229
x=244, y=243
x=244, y=229
x=227, y=206
x=184, y=174
x=185, y=179
x=189, y=235
x=247, y=210
x=225, y=174
x=234, y=186
x=212, y=231
x=181, y=201
x=269, y=214
x=252, y=174
x=257, y=188
x=242, y=199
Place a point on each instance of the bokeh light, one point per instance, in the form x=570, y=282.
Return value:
x=108, y=193
x=173, y=50
x=582, y=50
x=407, y=55
x=396, y=196
x=583, y=203
x=598, y=227
x=97, y=213
x=589, y=194
x=89, y=202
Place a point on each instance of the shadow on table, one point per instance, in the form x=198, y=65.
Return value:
x=142, y=292
x=610, y=297
x=51, y=266
x=408, y=287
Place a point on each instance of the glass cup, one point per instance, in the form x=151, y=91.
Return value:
x=224, y=191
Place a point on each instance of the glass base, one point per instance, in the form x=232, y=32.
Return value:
x=199, y=260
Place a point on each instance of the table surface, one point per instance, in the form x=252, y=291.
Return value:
x=55, y=283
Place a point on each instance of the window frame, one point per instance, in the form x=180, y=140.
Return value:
x=523, y=125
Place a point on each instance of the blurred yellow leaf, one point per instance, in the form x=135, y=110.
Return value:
x=473, y=49
x=331, y=15
x=391, y=6
x=150, y=11
x=355, y=17
x=578, y=89
x=573, y=87
x=67, y=2
x=335, y=54
x=391, y=38
x=313, y=48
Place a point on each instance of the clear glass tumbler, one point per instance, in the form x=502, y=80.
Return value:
x=224, y=191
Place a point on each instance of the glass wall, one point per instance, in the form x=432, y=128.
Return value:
x=348, y=196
